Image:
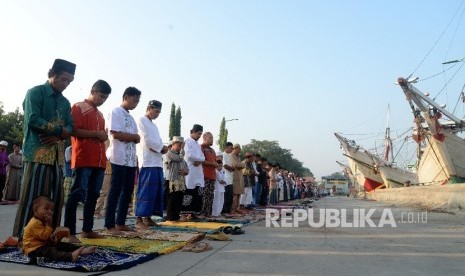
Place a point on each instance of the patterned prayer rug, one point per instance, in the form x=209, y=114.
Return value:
x=209, y=225
x=156, y=234
x=135, y=245
x=101, y=260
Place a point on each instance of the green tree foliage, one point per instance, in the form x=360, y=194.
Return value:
x=223, y=137
x=11, y=127
x=172, y=127
x=274, y=153
x=178, y=118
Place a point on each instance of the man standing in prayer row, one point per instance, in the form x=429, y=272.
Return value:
x=47, y=122
x=238, y=179
x=88, y=159
x=194, y=180
x=177, y=168
x=4, y=161
x=150, y=155
x=228, y=178
x=123, y=138
x=248, y=173
x=209, y=173
x=13, y=178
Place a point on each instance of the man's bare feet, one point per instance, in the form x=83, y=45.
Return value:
x=113, y=231
x=124, y=228
x=141, y=225
x=76, y=253
x=91, y=235
x=149, y=222
x=73, y=239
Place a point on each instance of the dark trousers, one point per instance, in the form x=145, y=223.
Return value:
x=192, y=200
x=59, y=252
x=87, y=183
x=120, y=194
x=2, y=184
x=228, y=198
x=174, y=204
x=166, y=192
x=264, y=196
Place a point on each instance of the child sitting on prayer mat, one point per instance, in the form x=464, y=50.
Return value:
x=41, y=240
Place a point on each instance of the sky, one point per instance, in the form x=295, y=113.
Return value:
x=290, y=71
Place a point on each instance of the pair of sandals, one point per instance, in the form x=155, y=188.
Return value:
x=236, y=230
x=10, y=242
x=197, y=247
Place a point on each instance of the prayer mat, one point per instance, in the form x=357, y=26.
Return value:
x=135, y=245
x=157, y=234
x=242, y=221
x=199, y=225
x=100, y=260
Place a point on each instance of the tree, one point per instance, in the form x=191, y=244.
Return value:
x=11, y=126
x=171, y=131
x=178, y=118
x=223, y=137
x=275, y=154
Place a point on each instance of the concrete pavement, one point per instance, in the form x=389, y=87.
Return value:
x=413, y=247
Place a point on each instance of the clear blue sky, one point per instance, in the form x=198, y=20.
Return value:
x=291, y=71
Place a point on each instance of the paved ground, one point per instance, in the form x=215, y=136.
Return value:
x=413, y=247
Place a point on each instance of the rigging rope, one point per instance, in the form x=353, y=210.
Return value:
x=437, y=41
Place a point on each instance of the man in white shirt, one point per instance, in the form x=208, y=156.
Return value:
x=122, y=155
x=150, y=155
x=228, y=178
x=195, y=182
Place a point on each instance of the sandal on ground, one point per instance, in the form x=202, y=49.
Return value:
x=11, y=242
x=237, y=231
x=188, y=247
x=227, y=229
x=218, y=237
x=201, y=247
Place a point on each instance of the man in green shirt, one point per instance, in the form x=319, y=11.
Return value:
x=47, y=123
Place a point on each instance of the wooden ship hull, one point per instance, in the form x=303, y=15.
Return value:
x=442, y=160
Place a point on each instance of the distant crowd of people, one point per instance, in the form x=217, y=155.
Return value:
x=119, y=163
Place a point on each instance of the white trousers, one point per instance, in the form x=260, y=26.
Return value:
x=246, y=197
x=218, y=200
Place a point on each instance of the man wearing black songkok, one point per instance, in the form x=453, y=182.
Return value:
x=47, y=123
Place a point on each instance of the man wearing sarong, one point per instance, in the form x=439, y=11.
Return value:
x=194, y=180
x=47, y=122
x=209, y=173
x=150, y=155
x=13, y=177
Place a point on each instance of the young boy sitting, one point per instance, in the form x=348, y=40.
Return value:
x=41, y=240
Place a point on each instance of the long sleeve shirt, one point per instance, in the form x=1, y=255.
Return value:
x=46, y=112
x=193, y=153
x=4, y=161
x=36, y=234
x=150, y=146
